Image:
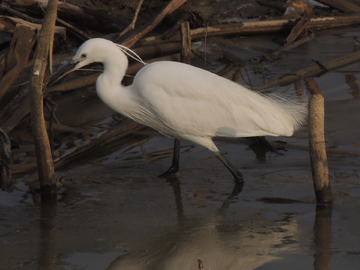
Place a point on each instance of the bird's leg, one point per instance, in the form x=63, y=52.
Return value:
x=175, y=162
x=237, y=175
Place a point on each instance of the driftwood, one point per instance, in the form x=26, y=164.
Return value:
x=247, y=28
x=341, y=5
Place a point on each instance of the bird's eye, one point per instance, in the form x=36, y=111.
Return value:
x=83, y=56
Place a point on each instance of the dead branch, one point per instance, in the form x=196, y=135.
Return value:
x=296, y=31
x=296, y=43
x=171, y=7
x=132, y=24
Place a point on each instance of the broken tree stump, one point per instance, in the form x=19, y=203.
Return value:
x=318, y=158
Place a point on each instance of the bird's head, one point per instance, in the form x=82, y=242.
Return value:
x=91, y=51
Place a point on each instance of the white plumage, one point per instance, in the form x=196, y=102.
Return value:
x=186, y=102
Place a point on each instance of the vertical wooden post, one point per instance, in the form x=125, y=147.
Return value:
x=319, y=164
x=41, y=65
x=185, y=42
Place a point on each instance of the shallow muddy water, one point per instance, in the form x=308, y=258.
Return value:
x=114, y=212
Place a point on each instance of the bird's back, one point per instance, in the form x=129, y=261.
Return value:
x=179, y=99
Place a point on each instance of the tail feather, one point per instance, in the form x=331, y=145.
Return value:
x=296, y=110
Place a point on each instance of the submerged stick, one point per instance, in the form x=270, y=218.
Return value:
x=314, y=70
x=119, y=131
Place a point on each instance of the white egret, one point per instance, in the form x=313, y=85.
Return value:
x=186, y=102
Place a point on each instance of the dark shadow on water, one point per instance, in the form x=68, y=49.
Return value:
x=322, y=237
x=48, y=233
x=236, y=191
x=175, y=183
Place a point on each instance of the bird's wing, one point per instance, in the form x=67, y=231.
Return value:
x=183, y=99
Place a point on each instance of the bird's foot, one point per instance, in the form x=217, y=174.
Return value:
x=239, y=179
x=170, y=172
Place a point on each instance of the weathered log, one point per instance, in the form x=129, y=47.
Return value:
x=248, y=28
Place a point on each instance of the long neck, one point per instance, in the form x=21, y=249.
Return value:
x=108, y=85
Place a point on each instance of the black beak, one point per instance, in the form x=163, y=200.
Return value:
x=62, y=72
